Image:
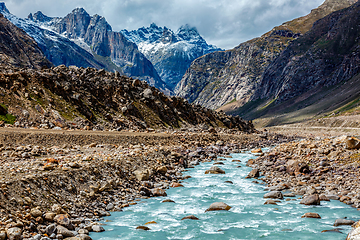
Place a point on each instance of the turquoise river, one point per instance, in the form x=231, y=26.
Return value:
x=248, y=218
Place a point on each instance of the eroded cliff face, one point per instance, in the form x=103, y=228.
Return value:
x=19, y=49
x=231, y=78
x=326, y=55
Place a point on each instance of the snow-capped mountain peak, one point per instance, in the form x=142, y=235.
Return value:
x=170, y=52
x=3, y=8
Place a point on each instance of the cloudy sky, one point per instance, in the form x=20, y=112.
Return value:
x=225, y=23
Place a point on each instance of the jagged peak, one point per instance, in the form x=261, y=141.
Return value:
x=39, y=16
x=187, y=32
x=154, y=25
x=188, y=28
x=80, y=10
x=3, y=8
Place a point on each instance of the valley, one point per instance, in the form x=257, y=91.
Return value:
x=151, y=133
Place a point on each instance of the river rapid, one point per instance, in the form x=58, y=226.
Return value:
x=248, y=218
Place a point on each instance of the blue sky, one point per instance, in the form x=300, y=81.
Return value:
x=224, y=23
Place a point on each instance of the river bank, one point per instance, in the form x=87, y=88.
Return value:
x=57, y=184
x=320, y=169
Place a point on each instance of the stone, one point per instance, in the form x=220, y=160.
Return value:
x=56, y=208
x=310, y=215
x=191, y=217
x=257, y=151
x=274, y=195
x=354, y=233
x=110, y=207
x=83, y=231
x=143, y=228
x=14, y=233
x=333, y=230
x=255, y=173
x=49, y=216
x=152, y=222
x=63, y=220
x=342, y=221
x=97, y=228
x=2, y=235
x=158, y=192
x=289, y=195
x=176, y=185
x=35, y=212
x=168, y=200
x=324, y=198
x=142, y=175
x=50, y=229
x=218, y=206
x=352, y=143
x=311, y=200
x=271, y=202
x=215, y=170
x=64, y=231
x=333, y=197
x=162, y=170
x=83, y=237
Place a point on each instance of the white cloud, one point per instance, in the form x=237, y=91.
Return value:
x=225, y=23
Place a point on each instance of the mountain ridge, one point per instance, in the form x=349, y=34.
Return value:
x=231, y=84
x=170, y=52
x=94, y=34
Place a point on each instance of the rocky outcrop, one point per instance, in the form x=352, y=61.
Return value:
x=18, y=49
x=95, y=35
x=325, y=56
x=170, y=52
x=233, y=77
x=87, y=98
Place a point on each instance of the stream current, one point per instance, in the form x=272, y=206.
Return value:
x=248, y=218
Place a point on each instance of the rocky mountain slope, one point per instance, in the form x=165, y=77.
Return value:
x=95, y=35
x=86, y=98
x=59, y=50
x=170, y=52
x=18, y=49
x=322, y=66
x=232, y=77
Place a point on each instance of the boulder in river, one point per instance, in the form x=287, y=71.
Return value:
x=255, y=173
x=97, y=228
x=343, y=221
x=270, y=202
x=192, y=217
x=158, y=192
x=311, y=215
x=215, y=170
x=218, y=206
x=311, y=200
x=143, y=228
x=274, y=195
x=176, y=185
x=355, y=232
